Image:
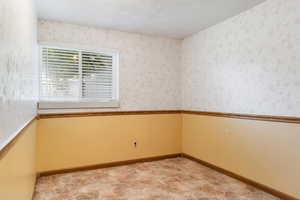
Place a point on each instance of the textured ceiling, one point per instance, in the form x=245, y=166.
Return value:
x=172, y=18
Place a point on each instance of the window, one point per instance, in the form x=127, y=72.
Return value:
x=71, y=78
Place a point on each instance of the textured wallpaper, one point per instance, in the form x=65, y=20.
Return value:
x=247, y=64
x=149, y=66
x=18, y=67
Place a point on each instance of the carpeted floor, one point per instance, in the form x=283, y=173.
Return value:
x=171, y=179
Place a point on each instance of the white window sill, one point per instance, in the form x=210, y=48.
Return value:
x=63, y=107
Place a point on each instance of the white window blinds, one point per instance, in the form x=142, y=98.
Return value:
x=74, y=75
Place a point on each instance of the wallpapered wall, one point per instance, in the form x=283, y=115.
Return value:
x=247, y=64
x=18, y=66
x=149, y=66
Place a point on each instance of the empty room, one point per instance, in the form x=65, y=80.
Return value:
x=149, y=100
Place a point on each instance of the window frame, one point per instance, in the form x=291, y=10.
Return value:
x=82, y=104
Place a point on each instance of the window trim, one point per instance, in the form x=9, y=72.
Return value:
x=114, y=103
x=75, y=105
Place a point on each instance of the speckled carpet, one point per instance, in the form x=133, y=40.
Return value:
x=171, y=179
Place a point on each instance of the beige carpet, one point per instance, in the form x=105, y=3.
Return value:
x=171, y=179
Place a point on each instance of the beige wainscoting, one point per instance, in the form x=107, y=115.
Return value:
x=18, y=166
x=266, y=152
x=72, y=142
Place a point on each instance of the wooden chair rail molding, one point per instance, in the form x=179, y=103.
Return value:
x=7, y=147
x=285, y=119
x=108, y=113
